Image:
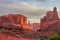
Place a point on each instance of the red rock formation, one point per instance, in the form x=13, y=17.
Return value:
x=48, y=25
x=28, y=22
x=18, y=19
x=55, y=15
x=14, y=18
x=50, y=21
x=14, y=24
x=50, y=16
x=36, y=26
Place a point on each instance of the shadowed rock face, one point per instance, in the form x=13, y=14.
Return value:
x=50, y=22
x=51, y=19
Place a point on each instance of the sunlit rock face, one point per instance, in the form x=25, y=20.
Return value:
x=14, y=18
x=36, y=26
x=13, y=24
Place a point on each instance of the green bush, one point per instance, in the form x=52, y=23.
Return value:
x=55, y=37
x=58, y=30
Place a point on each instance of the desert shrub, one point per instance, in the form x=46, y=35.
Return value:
x=55, y=37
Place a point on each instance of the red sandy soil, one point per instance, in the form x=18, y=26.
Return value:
x=5, y=37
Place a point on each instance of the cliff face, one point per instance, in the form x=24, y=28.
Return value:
x=48, y=25
x=14, y=24
x=51, y=20
x=16, y=18
x=51, y=16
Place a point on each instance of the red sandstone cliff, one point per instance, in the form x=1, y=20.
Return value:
x=48, y=25
x=14, y=19
x=51, y=20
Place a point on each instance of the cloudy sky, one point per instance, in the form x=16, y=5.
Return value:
x=33, y=9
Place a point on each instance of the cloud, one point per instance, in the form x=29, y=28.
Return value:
x=24, y=8
x=31, y=11
x=4, y=1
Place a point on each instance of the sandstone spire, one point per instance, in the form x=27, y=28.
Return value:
x=55, y=14
x=28, y=22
